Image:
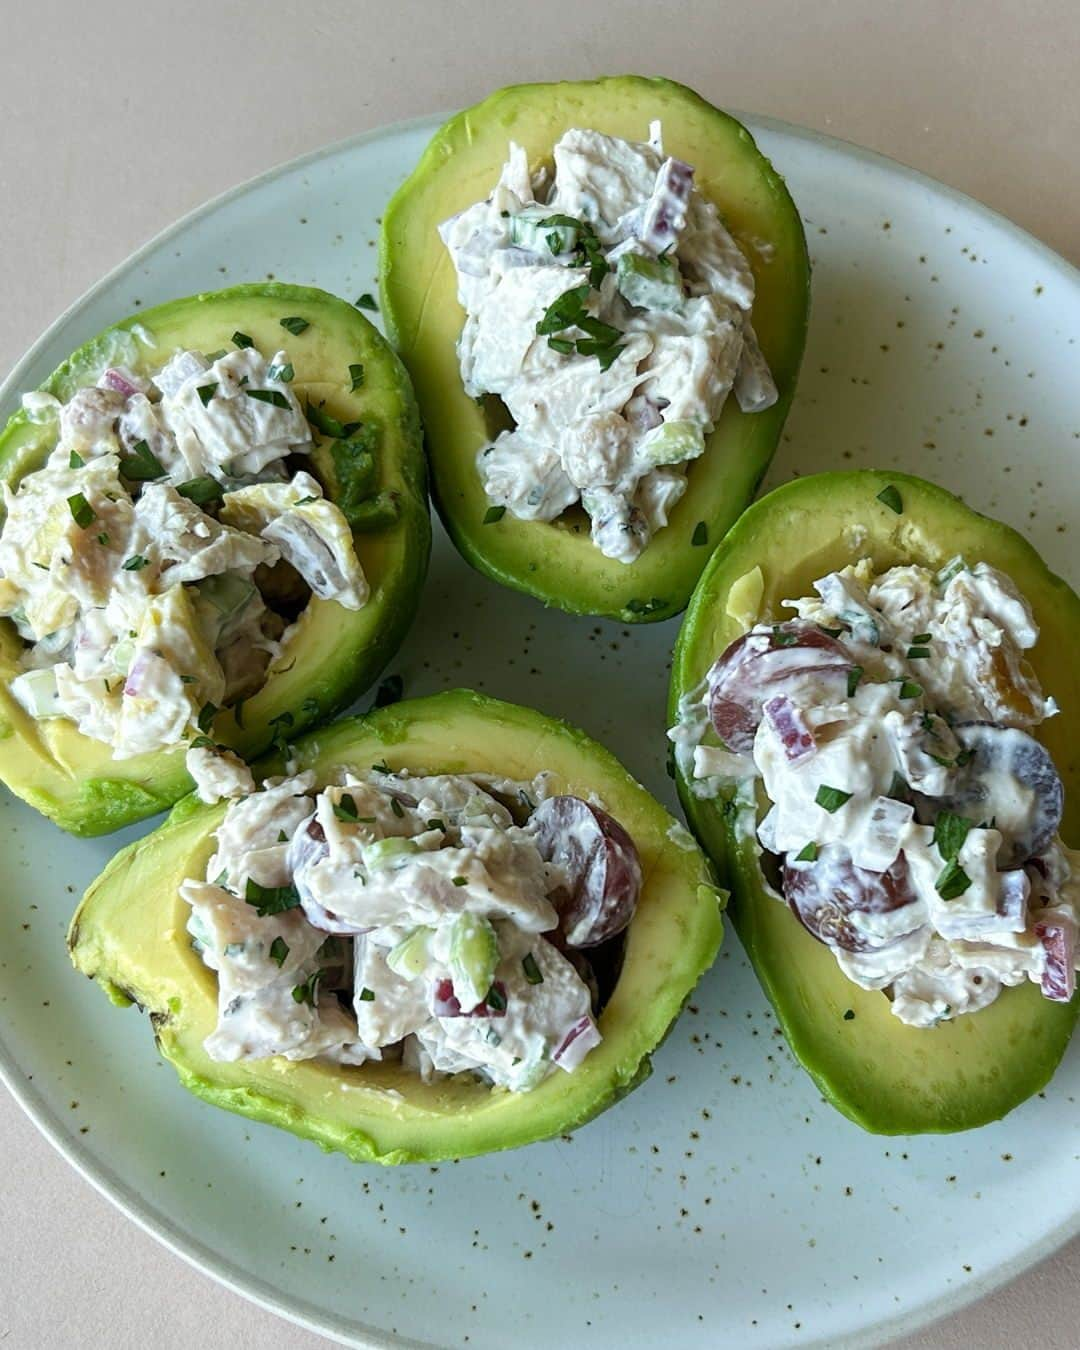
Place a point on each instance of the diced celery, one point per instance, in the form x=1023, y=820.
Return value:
x=474, y=955
x=410, y=957
x=951, y=569
x=649, y=283
x=528, y=230
x=387, y=853
x=36, y=691
x=673, y=442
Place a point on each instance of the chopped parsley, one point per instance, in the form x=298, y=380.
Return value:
x=918, y=653
x=206, y=392
x=345, y=808
x=493, y=514
x=356, y=376
x=272, y=396
x=950, y=831
x=460, y=881
x=366, y=995
x=952, y=882
x=782, y=639
x=135, y=563
x=279, y=950
x=322, y=421
x=437, y=825
x=831, y=799
x=142, y=465
x=397, y=808
x=103, y=538
x=295, y=325
x=283, y=374
x=270, y=899
x=308, y=992
x=921, y=638
x=809, y=853
x=201, y=490
x=532, y=971
x=75, y=460
x=564, y=346
x=909, y=689
x=854, y=675
x=889, y=497
x=700, y=535
x=849, y=1015
x=495, y=999
x=82, y=512
x=366, y=301
x=207, y=713
x=242, y=340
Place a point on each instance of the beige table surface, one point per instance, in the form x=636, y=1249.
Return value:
x=116, y=116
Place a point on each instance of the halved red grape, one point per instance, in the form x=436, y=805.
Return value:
x=762, y=664
x=787, y=721
x=603, y=870
x=984, y=788
x=582, y=1037
x=824, y=894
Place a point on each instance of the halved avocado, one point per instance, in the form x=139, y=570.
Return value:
x=887, y=1077
x=557, y=562
x=333, y=653
x=129, y=934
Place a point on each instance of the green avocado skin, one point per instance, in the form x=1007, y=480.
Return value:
x=335, y=653
x=129, y=935
x=887, y=1077
x=557, y=563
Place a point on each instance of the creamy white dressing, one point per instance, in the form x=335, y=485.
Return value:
x=127, y=562
x=612, y=404
x=389, y=915
x=915, y=817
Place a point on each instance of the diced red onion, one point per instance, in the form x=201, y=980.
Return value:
x=137, y=674
x=121, y=381
x=665, y=211
x=1058, y=937
x=444, y=1002
x=582, y=1037
x=787, y=721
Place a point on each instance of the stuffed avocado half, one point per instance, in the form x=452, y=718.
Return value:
x=633, y=280
x=458, y=926
x=215, y=532
x=910, y=795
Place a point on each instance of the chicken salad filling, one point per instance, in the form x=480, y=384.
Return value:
x=910, y=818
x=153, y=565
x=454, y=923
x=609, y=308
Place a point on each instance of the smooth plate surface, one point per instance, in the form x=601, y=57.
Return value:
x=722, y=1203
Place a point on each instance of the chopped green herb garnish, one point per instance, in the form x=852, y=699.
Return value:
x=920, y=638
x=366, y=301
x=460, y=881
x=891, y=498
x=142, y=465
x=397, y=808
x=345, y=808
x=207, y=713
x=849, y=1015
x=283, y=374
x=564, y=346
x=295, y=325
x=808, y=854
x=206, y=392
x=950, y=831
x=952, y=882
x=564, y=311
x=103, y=538
x=830, y=798
x=270, y=899
x=437, y=825
x=188, y=679
x=202, y=743
x=201, y=490
x=964, y=757
x=532, y=971
x=308, y=992
x=82, y=512
x=700, y=535
x=495, y=999
x=918, y=653
x=75, y=460
x=898, y=787
x=323, y=421
x=279, y=950
x=381, y=767
x=782, y=639
x=366, y=995
x=356, y=376
x=135, y=563
x=909, y=689
x=242, y=340
x=282, y=837
x=493, y=514
x=272, y=396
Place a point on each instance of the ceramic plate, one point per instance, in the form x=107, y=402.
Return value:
x=723, y=1203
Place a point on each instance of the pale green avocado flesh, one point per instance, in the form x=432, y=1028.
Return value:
x=557, y=562
x=888, y=1077
x=129, y=934
x=333, y=653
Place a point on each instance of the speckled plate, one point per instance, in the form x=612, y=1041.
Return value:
x=722, y=1203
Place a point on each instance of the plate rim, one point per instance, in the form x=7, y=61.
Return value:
x=155, y=1222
